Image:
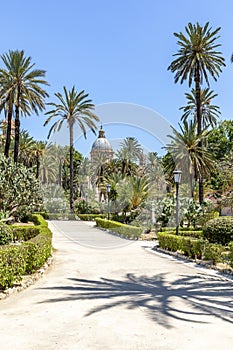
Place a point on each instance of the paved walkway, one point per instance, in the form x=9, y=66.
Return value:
x=106, y=293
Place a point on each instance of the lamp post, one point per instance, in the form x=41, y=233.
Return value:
x=108, y=191
x=86, y=195
x=177, y=180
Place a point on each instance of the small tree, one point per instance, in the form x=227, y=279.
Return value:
x=19, y=189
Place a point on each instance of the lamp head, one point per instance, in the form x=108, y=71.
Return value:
x=177, y=176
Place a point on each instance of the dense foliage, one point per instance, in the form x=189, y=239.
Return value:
x=16, y=260
x=219, y=230
x=6, y=234
x=19, y=189
x=126, y=231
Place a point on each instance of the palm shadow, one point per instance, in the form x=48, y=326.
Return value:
x=187, y=298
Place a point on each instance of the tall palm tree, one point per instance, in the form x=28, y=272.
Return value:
x=190, y=157
x=209, y=112
x=196, y=58
x=73, y=107
x=21, y=89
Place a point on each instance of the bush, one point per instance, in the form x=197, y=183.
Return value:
x=6, y=234
x=184, y=231
x=12, y=265
x=91, y=217
x=219, y=230
x=191, y=233
x=189, y=246
x=37, y=251
x=15, y=260
x=231, y=254
x=193, y=247
x=124, y=230
x=24, y=233
x=213, y=252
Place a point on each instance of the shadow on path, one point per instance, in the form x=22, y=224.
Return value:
x=188, y=298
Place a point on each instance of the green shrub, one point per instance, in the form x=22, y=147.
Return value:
x=44, y=214
x=124, y=230
x=189, y=246
x=191, y=233
x=37, y=251
x=6, y=234
x=184, y=231
x=12, y=265
x=15, y=260
x=213, y=252
x=230, y=247
x=24, y=233
x=91, y=217
x=219, y=230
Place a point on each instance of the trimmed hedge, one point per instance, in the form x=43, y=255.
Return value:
x=189, y=246
x=193, y=248
x=16, y=260
x=186, y=232
x=230, y=247
x=124, y=230
x=6, y=234
x=191, y=233
x=91, y=217
x=58, y=216
x=219, y=230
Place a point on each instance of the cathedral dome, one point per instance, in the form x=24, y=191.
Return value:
x=102, y=146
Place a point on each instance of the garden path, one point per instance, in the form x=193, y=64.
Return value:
x=102, y=292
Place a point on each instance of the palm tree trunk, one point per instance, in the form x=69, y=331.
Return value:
x=199, y=128
x=17, y=131
x=8, y=132
x=60, y=173
x=71, y=168
x=37, y=164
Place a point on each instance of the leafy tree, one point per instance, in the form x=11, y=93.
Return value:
x=73, y=107
x=220, y=139
x=19, y=189
x=20, y=89
x=220, y=145
x=196, y=58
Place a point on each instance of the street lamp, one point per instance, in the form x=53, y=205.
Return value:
x=108, y=191
x=177, y=179
x=86, y=195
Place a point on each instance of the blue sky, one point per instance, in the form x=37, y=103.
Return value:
x=117, y=51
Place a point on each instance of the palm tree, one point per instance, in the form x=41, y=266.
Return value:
x=39, y=150
x=20, y=87
x=209, y=112
x=26, y=149
x=196, y=58
x=72, y=107
x=131, y=149
x=190, y=157
x=48, y=171
x=140, y=188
